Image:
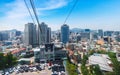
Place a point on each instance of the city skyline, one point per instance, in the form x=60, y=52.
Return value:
x=92, y=14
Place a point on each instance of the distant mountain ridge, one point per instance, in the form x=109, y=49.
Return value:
x=76, y=30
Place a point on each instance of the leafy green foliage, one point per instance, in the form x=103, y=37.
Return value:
x=91, y=52
x=83, y=67
x=71, y=68
x=96, y=70
x=7, y=61
x=85, y=58
x=2, y=61
x=84, y=70
x=116, y=64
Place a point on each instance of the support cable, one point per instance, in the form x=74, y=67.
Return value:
x=70, y=11
x=29, y=11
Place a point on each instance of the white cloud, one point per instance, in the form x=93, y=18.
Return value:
x=54, y=4
x=15, y=17
x=18, y=15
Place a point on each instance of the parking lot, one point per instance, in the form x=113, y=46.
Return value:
x=51, y=68
x=42, y=72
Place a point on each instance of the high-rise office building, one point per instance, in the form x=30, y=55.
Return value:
x=85, y=36
x=30, y=34
x=65, y=33
x=18, y=33
x=48, y=35
x=0, y=36
x=87, y=30
x=44, y=34
x=94, y=35
x=4, y=35
x=108, y=33
x=12, y=34
x=100, y=32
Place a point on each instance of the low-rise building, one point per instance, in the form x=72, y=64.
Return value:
x=102, y=60
x=45, y=52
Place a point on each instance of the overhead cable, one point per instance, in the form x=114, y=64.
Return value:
x=29, y=11
x=34, y=10
x=70, y=11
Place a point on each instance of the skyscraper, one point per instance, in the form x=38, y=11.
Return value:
x=0, y=36
x=12, y=34
x=65, y=33
x=87, y=30
x=44, y=34
x=4, y=35
x=48, y=35
x=18, y=33
x=30, y=34
x=100, y=33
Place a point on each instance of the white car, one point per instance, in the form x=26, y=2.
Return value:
x=34, y=69
x=1, y=72
x=42, y=66
x=7, y=73
x=17, y=71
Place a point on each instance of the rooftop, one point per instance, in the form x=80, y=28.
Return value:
x=102, y=60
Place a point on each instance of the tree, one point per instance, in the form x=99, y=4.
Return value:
x=71, y=68
x=97, y=70
x=2, y=61
x=11, y=61
x=116, y=64
x=7, y=61
x=85, y=58
x=84, y=69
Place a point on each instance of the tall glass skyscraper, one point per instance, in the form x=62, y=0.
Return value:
x=65, y=33
x=44, y=34
x=30, y=34
x=48, y=35
x=100, y=33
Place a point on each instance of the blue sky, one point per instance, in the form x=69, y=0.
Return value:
x=93, y=14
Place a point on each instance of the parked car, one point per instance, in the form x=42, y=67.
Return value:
x=54, y=73
x=2, y=72
x=34, y=69
x=43, y=62
x=31, y=69
x=11, y=70
x=26, y=69
x=42, y=66
x=17, y=71
x=21, y=70
x=7, y=73
x=38, y=67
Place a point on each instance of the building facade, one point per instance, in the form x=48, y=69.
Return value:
x=30, y=37
x=64, y=33
x=100, y=33
x=48, y=35
x=44, y=33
